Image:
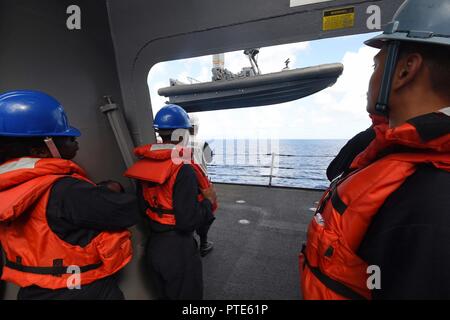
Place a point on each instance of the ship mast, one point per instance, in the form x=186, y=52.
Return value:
x=219, y=61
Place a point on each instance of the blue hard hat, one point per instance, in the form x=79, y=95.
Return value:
x=28, y=113
x=422, y=21
x=171, y=117
x=418, y=21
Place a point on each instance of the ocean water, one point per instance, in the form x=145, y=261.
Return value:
x=292, y=163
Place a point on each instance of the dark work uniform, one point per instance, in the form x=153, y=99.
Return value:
x=409, y=237
x=77, y=212
x=172, y=253
x=203, y=230
x=348, y=153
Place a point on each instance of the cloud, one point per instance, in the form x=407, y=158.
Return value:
x=337, y=112
x=157, y=101
x=349, y=94
x=270, y=59
x=157, y=69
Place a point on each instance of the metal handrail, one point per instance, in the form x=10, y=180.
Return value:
x=270, y=175
x=277, y=154
x=271, y=169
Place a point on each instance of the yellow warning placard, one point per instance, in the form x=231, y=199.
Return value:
x=339, y=18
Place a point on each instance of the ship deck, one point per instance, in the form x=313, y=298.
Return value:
x=257, y=260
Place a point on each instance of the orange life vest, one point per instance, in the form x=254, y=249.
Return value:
x=157, y=170
x=329, y=265
x=35, y=254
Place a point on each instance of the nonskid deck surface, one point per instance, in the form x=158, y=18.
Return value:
x=256, y=243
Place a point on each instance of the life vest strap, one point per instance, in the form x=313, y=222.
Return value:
x=160, y=215
x=337, y=202
x=56, y=270
x=332, y=284
x=159, y=211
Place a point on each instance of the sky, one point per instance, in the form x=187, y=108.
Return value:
x=338, y=112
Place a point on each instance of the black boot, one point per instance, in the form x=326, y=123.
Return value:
x=206, y=247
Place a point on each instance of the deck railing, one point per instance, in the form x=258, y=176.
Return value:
x=271, y=165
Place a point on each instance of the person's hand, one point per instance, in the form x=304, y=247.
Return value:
x=112, y=185
x=210, y=194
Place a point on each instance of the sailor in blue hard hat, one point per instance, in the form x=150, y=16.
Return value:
x=416, y=42
x=172, y=123
x=178, y=200
x=382, y=229
x=420, y=30
x=171, y=117
x=57, y=218
x=37, y=118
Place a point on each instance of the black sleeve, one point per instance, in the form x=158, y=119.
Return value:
x=140, y=196
x=409, y=239
x=95, y=207
x=189, y=212
x=348, y=153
